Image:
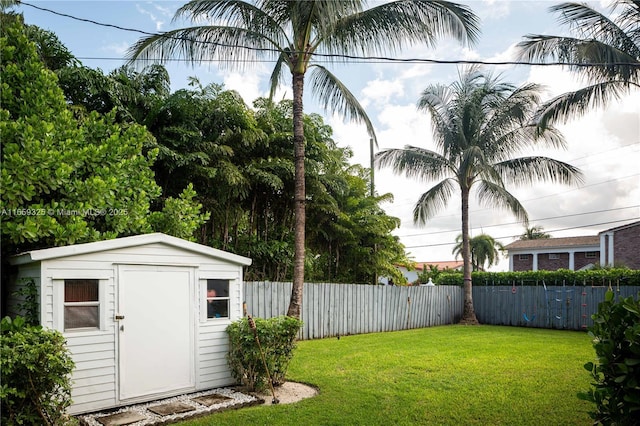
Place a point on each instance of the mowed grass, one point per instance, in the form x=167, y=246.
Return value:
x=450, y=375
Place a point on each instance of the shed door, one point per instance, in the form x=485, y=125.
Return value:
x=156, y=335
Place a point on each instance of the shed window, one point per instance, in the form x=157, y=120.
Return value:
x=217, y=298
x=591, y=254
x=81, y=304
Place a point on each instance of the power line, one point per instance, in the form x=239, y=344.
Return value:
x=367, y=59
x=514, y=236
x=516, y=223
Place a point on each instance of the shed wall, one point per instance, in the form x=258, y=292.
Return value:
x=95, y=353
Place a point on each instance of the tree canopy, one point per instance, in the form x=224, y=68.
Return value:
x=68, y=179
x=480, y=125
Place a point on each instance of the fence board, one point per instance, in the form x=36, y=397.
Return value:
x=342, y=309
x=561, y=307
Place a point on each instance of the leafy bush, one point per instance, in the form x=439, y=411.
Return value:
x=277, y=338
x=604, y=276
x=616, y=333
x=35, y=368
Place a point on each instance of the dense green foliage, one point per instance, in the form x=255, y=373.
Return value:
x=277, y=341
x=241, y=165
x=35, y=366
x=594, y=277
x=67, y=179
x=616, y=340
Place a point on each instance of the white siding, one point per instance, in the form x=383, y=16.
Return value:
x=95, y=352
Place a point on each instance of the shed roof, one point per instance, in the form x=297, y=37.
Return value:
x=549, y=243
x=118, y=243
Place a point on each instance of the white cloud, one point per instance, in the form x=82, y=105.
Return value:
x=158, y=21
x=380, y=92
x=247, y=84
x=118, y=48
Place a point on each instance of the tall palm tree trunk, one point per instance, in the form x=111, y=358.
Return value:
x=468, y=313
x=295, y=304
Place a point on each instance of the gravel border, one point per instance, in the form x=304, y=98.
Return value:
x=238, y=400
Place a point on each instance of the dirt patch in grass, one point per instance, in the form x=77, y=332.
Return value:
x=288, y=393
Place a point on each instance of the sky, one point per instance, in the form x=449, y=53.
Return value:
x=604, y=144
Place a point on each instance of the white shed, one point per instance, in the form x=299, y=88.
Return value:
x=144, y=316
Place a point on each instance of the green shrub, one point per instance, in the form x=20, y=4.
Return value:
x=35, y=367
x=616, y=333
x=277, y=339
x=605, y=276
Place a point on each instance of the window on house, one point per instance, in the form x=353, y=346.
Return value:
x=554, y=256
x=81, y=304
x=523, y=257
x=217, y=298
x=591, y=254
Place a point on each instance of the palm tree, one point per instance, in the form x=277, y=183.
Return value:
x=484, y=250
x=605, y=52
x=534, y=233
x=294, y=34
x=479, y=125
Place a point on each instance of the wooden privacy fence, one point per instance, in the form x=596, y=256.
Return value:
x=541, y=305
x=342, y=309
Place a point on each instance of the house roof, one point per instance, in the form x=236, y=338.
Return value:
x=621, y=227
x=443, y=264
x=118, y=243
x=548, y=243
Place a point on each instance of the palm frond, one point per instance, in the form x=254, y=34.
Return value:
x=492, y=195
x=433, y=201
x=335, y=96
x=572, y=104
x=389, y=27
x=276, y=75
x=593, y=25
x=528, y=170
x=234, y=14
x=196, y=44
x=414, y=162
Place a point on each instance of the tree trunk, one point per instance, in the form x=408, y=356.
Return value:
x=295, y=304
x=468, y=313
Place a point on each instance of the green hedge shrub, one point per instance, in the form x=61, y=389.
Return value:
x=277, y=338
x=35, y=367
x=616, y=334
x=598, y=277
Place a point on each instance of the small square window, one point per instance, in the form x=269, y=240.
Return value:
x=81, y=304
x=591, y=254
x=217, y=298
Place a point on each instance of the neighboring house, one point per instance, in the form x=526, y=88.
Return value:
x=615, y=246
x=136, y=314
x=412, y=275
x=621, y=246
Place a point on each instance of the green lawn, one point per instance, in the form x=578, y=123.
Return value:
x=450, y=375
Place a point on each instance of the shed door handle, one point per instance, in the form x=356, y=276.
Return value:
x=119, y=317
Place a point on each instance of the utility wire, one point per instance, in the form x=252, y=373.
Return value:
x=516, y=223
x=515, y=236
x=330, y=55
